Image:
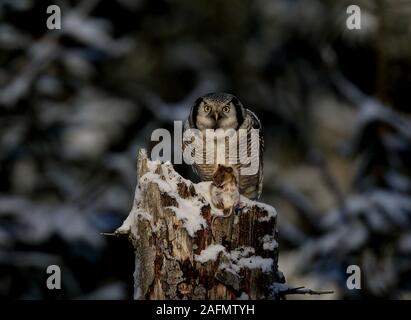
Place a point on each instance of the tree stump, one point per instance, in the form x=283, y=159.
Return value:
x=177, y=254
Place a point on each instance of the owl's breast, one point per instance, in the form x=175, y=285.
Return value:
x=230, y=151
x=244, y=153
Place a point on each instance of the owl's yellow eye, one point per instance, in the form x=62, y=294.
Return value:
x=207, y=109
x=226, y=109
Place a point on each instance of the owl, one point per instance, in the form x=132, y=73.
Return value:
x=225, y=111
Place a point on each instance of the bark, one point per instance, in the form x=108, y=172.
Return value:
x=177, y=256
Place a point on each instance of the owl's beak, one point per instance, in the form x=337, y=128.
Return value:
x=216, y=115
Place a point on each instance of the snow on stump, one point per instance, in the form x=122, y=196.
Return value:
x=179, y=255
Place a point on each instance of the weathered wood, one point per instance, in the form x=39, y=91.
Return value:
x=177, y=256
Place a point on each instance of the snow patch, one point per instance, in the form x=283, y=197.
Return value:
x=271, y=212
x=255, y=262
x=210, y=253
x=269, y=243
x=243, y=296
x=187, y=210
x=244, y=257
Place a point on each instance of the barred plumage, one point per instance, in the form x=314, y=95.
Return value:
x=201, y=117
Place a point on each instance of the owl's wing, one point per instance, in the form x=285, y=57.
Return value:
x=256, y=124
x=187, y=125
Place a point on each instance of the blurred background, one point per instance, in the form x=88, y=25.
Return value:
x=76, y=104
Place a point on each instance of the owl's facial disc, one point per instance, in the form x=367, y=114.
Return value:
x=227, y=117
x=215, y=112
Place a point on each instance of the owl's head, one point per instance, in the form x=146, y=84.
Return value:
x=217, y=111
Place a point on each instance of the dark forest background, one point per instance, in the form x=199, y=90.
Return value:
x=76, y=104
